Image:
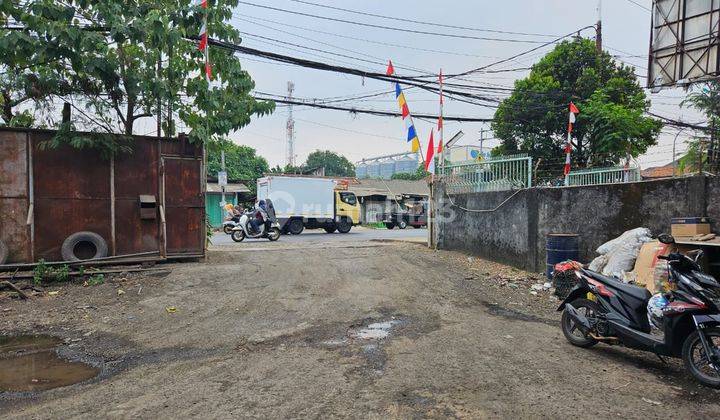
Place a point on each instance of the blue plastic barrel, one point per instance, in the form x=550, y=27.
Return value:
x=561, y=247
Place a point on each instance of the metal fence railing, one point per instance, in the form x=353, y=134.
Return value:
x=599, y=176
x=496, y=174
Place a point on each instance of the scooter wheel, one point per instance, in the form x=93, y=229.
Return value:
x=274, y=234
x=571, y=332
x=237, y=235
x=695, y=360
x=227, y=229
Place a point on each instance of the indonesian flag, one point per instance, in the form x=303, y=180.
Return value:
x=390, y=69
x=573, y=111
x=430, y=155
x=203, y=38
x=202, y=3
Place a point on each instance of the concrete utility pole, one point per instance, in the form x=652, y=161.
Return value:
x=290, y=127
x=598, y=28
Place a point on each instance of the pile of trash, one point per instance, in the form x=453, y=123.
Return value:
x=617, y=257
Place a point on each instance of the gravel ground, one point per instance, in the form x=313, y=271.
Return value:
x=377, y=331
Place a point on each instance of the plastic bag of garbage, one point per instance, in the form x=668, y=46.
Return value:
x=598, y=263
x=626, y=237
x=623, y=251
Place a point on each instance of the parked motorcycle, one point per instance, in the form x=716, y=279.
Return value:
x=230, y=224
x=270, y=228
x=618, y=314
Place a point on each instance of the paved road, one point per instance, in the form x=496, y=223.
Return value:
x=317, y=236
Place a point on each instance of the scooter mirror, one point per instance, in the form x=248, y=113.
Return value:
x=666, y=238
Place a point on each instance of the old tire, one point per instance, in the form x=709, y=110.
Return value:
x=3, y=253
x=344, y=225
x=390, y=226
x=566, y=324
x=84, y=246
x=402, y=224
x=692, y=349
x=296, y=226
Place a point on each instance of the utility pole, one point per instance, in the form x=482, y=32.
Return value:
x=159, y=99
x=598, y=28
x=290, y=127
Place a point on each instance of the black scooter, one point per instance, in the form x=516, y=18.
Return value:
x=618, y=315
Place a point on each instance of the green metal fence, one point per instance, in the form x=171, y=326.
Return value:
x=496, y=174
x=599, y=176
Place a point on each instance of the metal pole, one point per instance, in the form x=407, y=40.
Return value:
x=598, y=28
x=222, y=164
x=674, y=159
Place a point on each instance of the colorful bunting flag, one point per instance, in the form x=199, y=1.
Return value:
x=412, y=136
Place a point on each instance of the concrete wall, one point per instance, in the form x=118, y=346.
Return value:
x=515, y=233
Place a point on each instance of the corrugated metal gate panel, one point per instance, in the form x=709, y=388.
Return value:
x=136, y=174
x=14, y=195
x=184, y=206
x=72, y=194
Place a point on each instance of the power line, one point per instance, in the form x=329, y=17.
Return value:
x=371, y=111
x=442, y=25
x=386, y=44
x=639, y=5
x=370, y=25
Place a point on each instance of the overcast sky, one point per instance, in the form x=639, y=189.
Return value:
x=625, y=33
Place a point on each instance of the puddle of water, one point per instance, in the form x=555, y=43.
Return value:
x=375, y=331
x=30, y=363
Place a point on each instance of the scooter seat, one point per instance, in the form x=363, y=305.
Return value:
x=640, y=293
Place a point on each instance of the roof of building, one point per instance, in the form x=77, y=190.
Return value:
x=368, y=187
x=665, y=171
x=232, y=187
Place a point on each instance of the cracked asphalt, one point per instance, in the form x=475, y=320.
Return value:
x=275, y=334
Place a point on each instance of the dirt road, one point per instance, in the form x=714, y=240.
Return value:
x=369, y=331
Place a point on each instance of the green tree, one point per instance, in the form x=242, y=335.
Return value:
x=334, y=164
x=611, y=123
x=242, y=163
x=704, y=98
x=108, y=52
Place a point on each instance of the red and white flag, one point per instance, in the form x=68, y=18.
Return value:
x=203, y=37
x=568, y=145
x=430, y=156
x=390, y=69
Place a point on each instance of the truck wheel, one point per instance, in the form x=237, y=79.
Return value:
x=390, y=225
x=296, y=226
x=402, y=224
x=344, y=225
x=330, y=229
x=3, y=253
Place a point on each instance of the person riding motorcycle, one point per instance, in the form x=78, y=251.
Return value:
x=259, y=217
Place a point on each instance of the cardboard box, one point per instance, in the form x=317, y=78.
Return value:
x=690, y=226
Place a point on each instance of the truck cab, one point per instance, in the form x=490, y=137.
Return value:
x=347, y=207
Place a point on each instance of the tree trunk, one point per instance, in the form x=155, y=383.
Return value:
x=7, y=108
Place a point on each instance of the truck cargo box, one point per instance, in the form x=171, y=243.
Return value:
x=299, y=196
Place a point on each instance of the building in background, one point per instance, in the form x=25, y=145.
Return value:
x=457, y=154
x=234, y=193
x=384, y=167
x=377, y=196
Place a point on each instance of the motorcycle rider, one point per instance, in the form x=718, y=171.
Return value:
x=259, y=217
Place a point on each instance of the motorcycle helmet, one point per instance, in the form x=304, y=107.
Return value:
x=655, y=307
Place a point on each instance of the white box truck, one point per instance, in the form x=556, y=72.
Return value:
x=309, y=203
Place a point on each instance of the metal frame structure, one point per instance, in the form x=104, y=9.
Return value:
x=684, y=42
x=599, y=176
x=497, y=174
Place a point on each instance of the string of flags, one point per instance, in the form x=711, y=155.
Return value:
x=203, y=43
x=412, y=136
x=568, y=145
